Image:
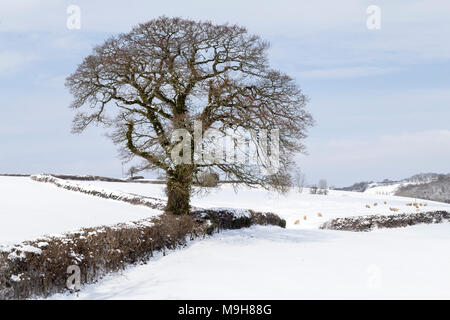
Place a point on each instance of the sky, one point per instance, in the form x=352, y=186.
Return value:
x=380, y=97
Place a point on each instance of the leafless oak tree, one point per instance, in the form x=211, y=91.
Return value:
x=168, y=72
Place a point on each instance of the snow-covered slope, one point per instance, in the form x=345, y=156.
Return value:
x=388, y=190
x=293, y=206
x=30, y=209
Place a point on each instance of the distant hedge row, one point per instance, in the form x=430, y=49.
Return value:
x=150, y=202
x=369, y=223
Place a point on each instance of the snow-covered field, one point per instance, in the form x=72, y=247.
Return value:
x=293, y=206
x=272, y=263
x=390, y=189
x=30, y=209
x=257, y=263
x=384, y=190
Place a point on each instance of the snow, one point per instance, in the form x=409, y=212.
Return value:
x=105, y=193
x=273, y=263
x=256, y=263
x=16, y=278
x=384, y=190
x=293, y=206
x=236, y=213
x=30, y=209
x=390, y=189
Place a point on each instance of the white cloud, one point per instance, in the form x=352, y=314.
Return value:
x=72, y=41
x=30, y=15
x=337, y=30
x=345, y=161
x=350, y=72
x=403, y=147
x=11, y=61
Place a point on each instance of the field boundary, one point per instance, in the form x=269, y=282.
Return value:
x=38, y=268
x=369, y=223
x=151, y=202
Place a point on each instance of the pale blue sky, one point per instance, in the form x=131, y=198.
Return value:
x=381, y=98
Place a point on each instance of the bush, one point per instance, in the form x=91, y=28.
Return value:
x=208, y=179
x=229, y=218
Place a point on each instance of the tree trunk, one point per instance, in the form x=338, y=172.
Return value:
x=178, y=190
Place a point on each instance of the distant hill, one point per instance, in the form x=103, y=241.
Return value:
x=363, y=186
x=356, y=187
x=423, y=177
x=437, y=189
x=429, y=186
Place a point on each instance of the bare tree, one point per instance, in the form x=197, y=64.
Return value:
x=132, y=171
x=168, y=72
x=323, y=187
x=299, y=180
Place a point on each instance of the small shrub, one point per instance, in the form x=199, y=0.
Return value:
x=208, y=179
